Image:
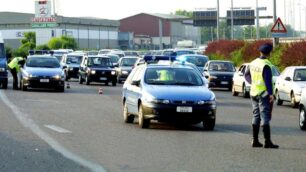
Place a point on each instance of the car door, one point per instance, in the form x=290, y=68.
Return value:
x=239, y=78
x=128, y=91
x=288, y=81
x=282, y=84
x=136, y=90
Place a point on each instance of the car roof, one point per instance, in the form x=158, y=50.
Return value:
x=76, y=54
x=220, y=61
x=195, y=55
x=130, y=57
x=101, y=56
x=44, y=56
x=297, y=67
x=169, y=65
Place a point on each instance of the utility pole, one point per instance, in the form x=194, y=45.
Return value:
x=218, y=9
x=257, y=21
x=232, y=21
x=275, y=40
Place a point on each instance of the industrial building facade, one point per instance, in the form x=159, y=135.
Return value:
x=146, y=29
x=89, y=33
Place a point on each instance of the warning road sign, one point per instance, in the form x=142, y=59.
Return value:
x=279, y=27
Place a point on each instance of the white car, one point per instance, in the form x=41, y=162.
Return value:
x=289, y=85
x=302, y=109
x=241, y=86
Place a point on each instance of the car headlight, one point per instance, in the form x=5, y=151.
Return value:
x=212, y=77
x=151, y=99
x=2, y=69
x=125, y=72
x=113, y=72
x=207, y=102
x=57, y=77
x=71, y=69
x=93, y=72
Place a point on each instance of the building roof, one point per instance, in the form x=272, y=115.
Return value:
x=162, y=16
x=25, y=18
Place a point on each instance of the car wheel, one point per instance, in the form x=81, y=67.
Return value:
x=143, y=123
x=230, y=87
x=66, y=77
x=87, y=82
x=106, y=83
x=302, y=121
x=294, y=104
x=209, y=124
x=80, y=79
x=246, y=94
x=61, y=89
x=4, y=84
x=278, y=100
x=118, y=79
x=23, y=87
x=114, y=82
x=128, y=118
x=234, y=92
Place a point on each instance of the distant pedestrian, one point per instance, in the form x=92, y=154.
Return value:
x=14, y=66
x=259, y=75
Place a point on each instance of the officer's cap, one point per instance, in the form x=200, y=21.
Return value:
x=266, y=48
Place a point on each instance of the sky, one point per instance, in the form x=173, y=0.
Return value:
x=118, y=9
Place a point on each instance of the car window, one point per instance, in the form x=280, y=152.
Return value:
x=99, y=61
x=221, y=66
x=128, y=61
x=172, y=76
x=42, y=62
x=74, y=59
x=114, y=59
x=299, y=75
x=275, y=71
x=197, y=60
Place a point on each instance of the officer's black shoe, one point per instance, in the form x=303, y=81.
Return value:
x=255, y=142
x=267, y=135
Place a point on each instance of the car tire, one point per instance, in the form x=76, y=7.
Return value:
x=209, y=124
x=128, y=118
x=114, y=82
x=80, y=79
x=302, y=118
x=142, y=122
x=61, y=89
x=234, y=93
x=22, y=86
x=119, y=81
x=4, y=84
x=87, y=82
x=294, y=104
x=66, y=77
x=106, y=83
x=245, y=93
x=230, y=87
x=278, y=100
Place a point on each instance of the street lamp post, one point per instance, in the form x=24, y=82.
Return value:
x=257, y=20
x=275, y=40
x=232, y=20
x=218, y=9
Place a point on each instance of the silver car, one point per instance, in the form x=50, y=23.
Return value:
x=302, y=109
x=289, y=85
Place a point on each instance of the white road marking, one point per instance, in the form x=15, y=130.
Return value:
x=57, y=129
x=29, y=123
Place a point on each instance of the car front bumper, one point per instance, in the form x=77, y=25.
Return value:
x=103, y=77
x=168, y=113
x=38, y=83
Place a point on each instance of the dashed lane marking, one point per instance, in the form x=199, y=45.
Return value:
x=27, y=122
x=57, y=129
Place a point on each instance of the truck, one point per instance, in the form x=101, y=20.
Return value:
x=3, y=65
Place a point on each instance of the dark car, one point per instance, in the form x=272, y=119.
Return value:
x=114, y=58
x=196, y=59
x=3, y=66
x=125, y=67
x=168, y=93
x=220, y=73
x=97, y=69
x=72, y=63
x=42, y=71
x=176, y=52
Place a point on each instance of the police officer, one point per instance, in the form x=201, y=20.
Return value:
x=14, y=67
x=259, y=75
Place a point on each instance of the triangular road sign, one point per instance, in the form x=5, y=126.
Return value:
x=279, y=27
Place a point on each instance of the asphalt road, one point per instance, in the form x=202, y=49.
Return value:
x=80, y=130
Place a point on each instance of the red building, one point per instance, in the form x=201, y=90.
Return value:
x=174, y=28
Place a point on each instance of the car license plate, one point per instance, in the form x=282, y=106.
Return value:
x=224, y=82
x=44, y=80
x=103, y=78
x=184, y=109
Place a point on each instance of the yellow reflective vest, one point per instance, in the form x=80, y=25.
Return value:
x=15, y=63
x=164, y=75
x=256, y=68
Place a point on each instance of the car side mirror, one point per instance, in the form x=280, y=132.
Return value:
x=116, y=65
x=240, y=74
x=64, y=67
x=288, y=78
x=136, y=83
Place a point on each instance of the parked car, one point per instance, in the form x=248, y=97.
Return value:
x=302, y=108
x=72, y=63
x=126, y=64
x=289, y=85
x=97, y=69
x=198, y=60
x=42, y=71
x=3, y=65
x=162, y=92
x=241, y=86
x=219, y=73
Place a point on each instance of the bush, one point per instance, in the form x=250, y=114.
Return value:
x=224, y=47
x=43, y=47
x=294, y=55
x=69, y=43
x=250, y=50
x=55, y=43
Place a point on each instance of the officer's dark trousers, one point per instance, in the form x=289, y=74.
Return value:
x=15, y=78
x=261, y=110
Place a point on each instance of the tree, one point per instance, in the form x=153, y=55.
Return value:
x=30, y=39
x=184, y=13
x=69, y=42
x=55, y=43
x=43, y=47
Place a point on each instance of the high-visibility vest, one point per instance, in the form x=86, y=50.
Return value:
x=165, y=76
x=15, y=63
x=258, y=83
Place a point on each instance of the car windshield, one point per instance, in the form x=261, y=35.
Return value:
x=221, y=66
x=2, y=54
x=128, y=61
x=43, y=62
x=275, y=71
x=99, y=61
x=74, y=59
x=113, y=58
x=184, y=52
x=131, y=53
x=299, y=75
x=197, y=60
x=58, y=57
x=172, y=76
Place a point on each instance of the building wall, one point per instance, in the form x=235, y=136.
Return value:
x=180, y=32
x=144, y=24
